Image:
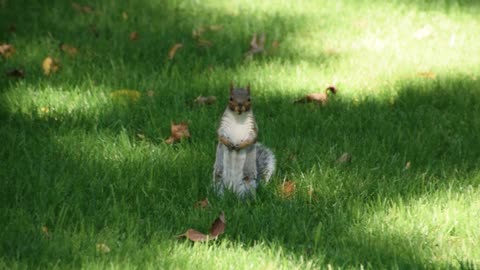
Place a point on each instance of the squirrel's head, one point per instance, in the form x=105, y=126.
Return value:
x=239, y=101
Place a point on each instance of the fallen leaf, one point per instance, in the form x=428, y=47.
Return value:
x=202, y=204
x=275, y=44
x=141, y=136
x=82, y=8
x=344, y=158
x=257, y=45
x=427, y=74
x=68, y=49
x=16, y=73
x=218, y=226
x=201, y=100
x=287, y=189
x=407, y=165
x=126, y=95
x=173, y=50
x=194, y=235
x=44, y=230
x=102, y=248
x=124, y=15
x=134, y=35
x=50, y=65
x=320, y=98
x=215, y=27
x=204, y=43
x=6, y=50
x=198, y=32
x=423, y=32
x=179, y=131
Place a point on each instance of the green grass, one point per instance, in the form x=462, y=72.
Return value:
x=72, y=159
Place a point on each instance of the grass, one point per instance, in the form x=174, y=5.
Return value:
x=92, y=169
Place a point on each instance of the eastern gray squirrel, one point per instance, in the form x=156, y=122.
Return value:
x=240, y=160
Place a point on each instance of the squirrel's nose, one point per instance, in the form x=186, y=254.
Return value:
x=240, y=104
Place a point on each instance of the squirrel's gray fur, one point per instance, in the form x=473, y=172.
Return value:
x=240, y=160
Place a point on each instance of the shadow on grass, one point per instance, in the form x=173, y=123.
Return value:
x=429, y=124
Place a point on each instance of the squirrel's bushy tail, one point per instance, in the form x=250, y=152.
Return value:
x=265, y=162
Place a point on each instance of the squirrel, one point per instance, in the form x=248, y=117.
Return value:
x=240, y=160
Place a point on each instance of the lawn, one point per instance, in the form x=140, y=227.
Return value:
x=89, y=180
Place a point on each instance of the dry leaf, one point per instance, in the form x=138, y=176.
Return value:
x=427, y=74
x=179, y=131
x=201, y=100
x=69, y=49
x=45, y=231
x=218, y=226
x=16, y=73
x=287, y=189
x=50, y=65
x=215, y=27
x=423, y=32
x=198, y=32
x=275, y=44
x=202, y=204
x=257, y=45
x=344, y=158
x=194, y=235
x=134, y=35
x=6, y=50
x=125, y=15
x=82, y=8
x=173, y=50
x=320, y=98
x=141, y=136
x=407, y=165
x=102, y=248
x=126, y=95
x=204, y=43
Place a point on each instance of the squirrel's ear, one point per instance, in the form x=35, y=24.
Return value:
x=248, y=89
x=231, y=87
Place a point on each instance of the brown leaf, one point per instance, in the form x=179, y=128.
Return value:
x=201, y=100
x=257, y=45
x=16, y=73
x=218, y=226
x=68, y=49
x=50, y=65
x=179, y=131
x=194, y=235
x=287, y=189
x=173, y=50
x=427, y=75
x=204, y=43
x=134, y=35
x=102, y=248
x=215, y=27
x=202, y=204
x=6, y=50
x=344, y=158
x=320, y=98
x=275, y=44
x=82, y=8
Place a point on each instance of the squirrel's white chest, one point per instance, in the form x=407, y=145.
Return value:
x=237, y=127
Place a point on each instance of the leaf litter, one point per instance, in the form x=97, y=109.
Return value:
x=217, y=229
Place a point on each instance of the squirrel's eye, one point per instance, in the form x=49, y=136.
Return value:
x=231, y=98
x=248, y=99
